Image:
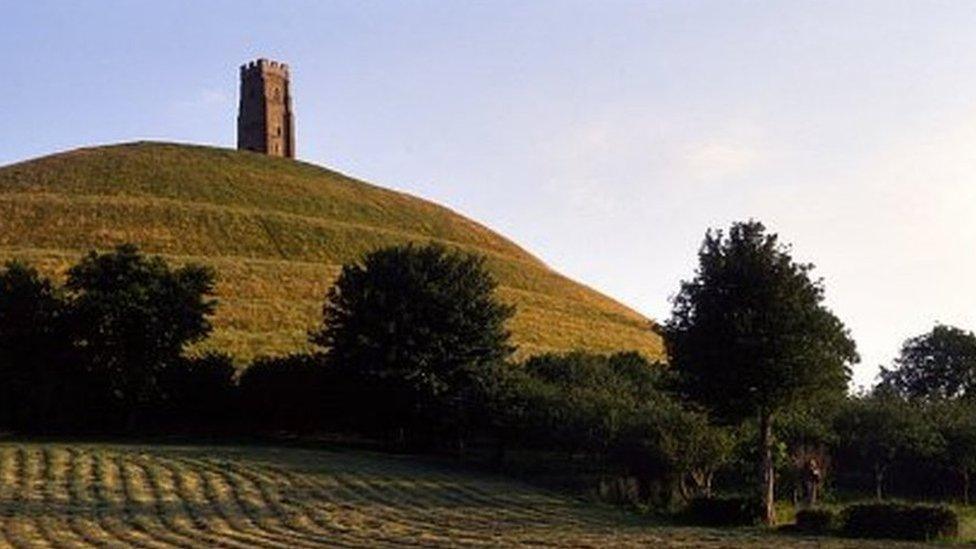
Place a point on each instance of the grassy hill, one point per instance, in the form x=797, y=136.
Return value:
x=111, y=495
x=277, y=231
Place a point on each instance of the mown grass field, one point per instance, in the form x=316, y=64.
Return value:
x=104, y=495
x=277, y=231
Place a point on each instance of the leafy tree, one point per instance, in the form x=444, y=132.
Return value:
x=518, y=409
x=882, y=428
x=415, y=323
x=806, y=433
x=614, y=410
x=133, y=316
x=955, y=421
x=750, y=336
x=35, y=348
x=938, y=364
x=696, y=451
x=596, y=396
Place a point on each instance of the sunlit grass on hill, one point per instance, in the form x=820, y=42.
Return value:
x=277, y=232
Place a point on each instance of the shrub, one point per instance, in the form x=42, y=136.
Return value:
x=199, y=390
x=900, y=521
x=724, y=511
x=283, y=393
x=816, y=521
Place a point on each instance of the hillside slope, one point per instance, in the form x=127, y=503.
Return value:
x=277, y=231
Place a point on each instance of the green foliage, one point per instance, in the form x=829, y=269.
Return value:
x=877, y=430
x=133, y=316
x=614, y=408
x=598, y=396
x=955, y=423
x=900, y=521
x=414, y=324
x=750, y=336
x=938, y=364
x=724, y=511
x=817, y=521
x=277, y=232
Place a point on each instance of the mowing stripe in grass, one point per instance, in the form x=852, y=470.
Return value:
x=198, y=495
x=260, y=506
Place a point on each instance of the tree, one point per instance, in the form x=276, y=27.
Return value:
x=702, y=448
x=882, y=428
x=35, y=347
x=413, y=323
x=750, y=336
x=938, y=364
x=133, y=316
x=806, y=434
x=955, y=421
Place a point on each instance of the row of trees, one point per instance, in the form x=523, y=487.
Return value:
x=107, y=346
x=413, y=350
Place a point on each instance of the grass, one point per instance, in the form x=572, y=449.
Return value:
x=82, y=495
x=277, y=231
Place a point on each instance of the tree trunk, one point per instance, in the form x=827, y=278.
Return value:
x=683, y=489
x=766, y=474
x=965, y=486
x=878, y=481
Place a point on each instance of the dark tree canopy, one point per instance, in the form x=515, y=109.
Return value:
x=415, y=320
x=134, y=316
x=938, y=364
x=879, y=429
x=32, y=314
x=955, y=421
x=749, y=335
x=35, y=347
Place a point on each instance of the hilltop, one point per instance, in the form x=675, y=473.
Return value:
x=277, y=231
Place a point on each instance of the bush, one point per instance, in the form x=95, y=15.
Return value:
x=724, y=511
x=199, y=390
x=816, y=521
x=900, y=521
x=283, y=393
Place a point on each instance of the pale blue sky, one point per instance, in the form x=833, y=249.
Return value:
x=603, y=136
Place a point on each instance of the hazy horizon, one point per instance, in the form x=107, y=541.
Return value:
x=604, y=137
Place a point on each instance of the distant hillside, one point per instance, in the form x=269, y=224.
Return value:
x=277, y=231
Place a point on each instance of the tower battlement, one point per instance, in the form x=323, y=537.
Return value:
x=265, y=122
x=265, y=65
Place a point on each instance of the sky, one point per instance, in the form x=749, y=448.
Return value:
x=604, y=136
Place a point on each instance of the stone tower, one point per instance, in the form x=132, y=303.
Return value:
x=265, y=122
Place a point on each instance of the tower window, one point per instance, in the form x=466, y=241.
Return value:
x=278, y=129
